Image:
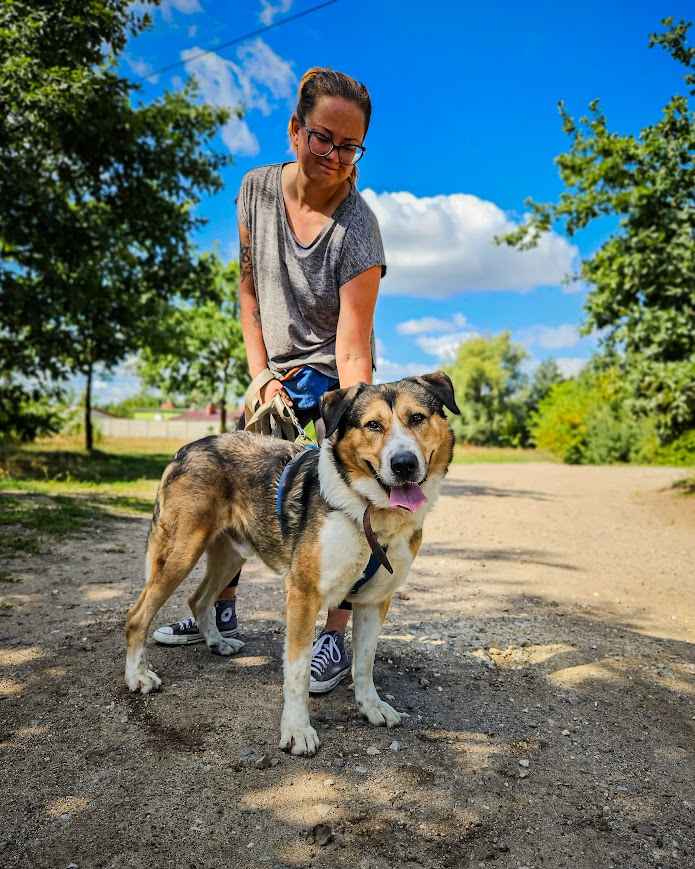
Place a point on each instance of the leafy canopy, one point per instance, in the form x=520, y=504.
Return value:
x=198, y=351
x=642, y=279
x=97, y=194
x=488, y=378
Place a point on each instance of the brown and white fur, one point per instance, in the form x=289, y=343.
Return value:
x=218, y=496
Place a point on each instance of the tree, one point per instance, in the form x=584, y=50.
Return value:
x=587, y=420
x=199, y=350
x=546, y=375
x=97, y=196
x=642, y=279
x=488, y=380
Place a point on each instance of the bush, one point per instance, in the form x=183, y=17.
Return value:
x=561, y=423
x=26, y=413
x=680, y=452
x=588, y=421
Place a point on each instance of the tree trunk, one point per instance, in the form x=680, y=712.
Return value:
x=223, y=415
x=88, y=432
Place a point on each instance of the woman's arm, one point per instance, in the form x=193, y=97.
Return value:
x=353, y=352
x=250, y=316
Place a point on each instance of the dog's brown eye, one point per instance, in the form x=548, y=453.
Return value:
x=417, y=418
x=373, y=425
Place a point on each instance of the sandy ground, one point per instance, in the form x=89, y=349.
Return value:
x=543, y=649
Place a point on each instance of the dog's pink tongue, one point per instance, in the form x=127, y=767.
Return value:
x=409, y=496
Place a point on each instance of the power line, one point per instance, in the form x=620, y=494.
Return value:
x=238, y=39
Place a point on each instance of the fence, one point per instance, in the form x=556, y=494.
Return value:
x=180, y=429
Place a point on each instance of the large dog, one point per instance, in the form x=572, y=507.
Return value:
x=340, y=522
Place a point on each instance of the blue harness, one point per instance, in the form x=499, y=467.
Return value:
x=372, y=564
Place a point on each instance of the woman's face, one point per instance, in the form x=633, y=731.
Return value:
x=343, y=121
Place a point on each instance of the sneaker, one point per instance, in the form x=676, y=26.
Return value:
x=330, y=663
x=186, y=631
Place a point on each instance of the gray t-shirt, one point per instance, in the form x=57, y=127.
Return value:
x=298, y=287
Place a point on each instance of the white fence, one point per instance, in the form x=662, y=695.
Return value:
x=181, y=430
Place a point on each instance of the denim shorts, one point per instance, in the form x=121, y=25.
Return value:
x=305, y=389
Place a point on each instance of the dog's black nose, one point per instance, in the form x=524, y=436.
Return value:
x=405, y=465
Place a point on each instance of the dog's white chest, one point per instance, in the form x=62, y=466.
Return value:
x=344, y=554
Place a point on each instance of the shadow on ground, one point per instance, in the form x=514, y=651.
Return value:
x=543, y=736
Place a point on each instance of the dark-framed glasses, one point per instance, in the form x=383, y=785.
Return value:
x=321, y=145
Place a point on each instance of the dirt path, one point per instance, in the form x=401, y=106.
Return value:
x=544, y=649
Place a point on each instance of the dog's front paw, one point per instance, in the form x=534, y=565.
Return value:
x=299, y=739
x=380, y=713
x=144, y=681
x=226, y=647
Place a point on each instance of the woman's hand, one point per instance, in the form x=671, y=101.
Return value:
x=272, y=388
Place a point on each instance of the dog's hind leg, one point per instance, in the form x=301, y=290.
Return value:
x=224, y=562
x=169, y=561
x=366, y=627
x=296, y=733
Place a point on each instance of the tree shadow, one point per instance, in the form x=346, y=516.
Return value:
x=70, y=465
x=520, y=555
x=600, y=714
x=30, y=520
x=453, y=488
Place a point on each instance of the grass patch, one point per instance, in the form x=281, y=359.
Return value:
x=465, y=454
x=66, y=460
x=687, y=486
x=28, y=520
x=9, y=578
x=55, y=488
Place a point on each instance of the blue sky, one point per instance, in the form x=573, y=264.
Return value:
x=464, y=128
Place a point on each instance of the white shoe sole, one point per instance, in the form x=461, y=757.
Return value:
x=329, y=684
x=172, y=640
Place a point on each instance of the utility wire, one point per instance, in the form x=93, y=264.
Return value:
x=237, y=40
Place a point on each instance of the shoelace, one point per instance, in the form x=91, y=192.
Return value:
x=185, y=624
x=326, y=650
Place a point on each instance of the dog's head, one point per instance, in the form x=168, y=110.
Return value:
x=389, y=439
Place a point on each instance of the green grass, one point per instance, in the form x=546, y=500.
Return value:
x=464, y=454
x=54, y=488
x=687, y=486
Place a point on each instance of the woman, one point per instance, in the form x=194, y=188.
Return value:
x=311, y=259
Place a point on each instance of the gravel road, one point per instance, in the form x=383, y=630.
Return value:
x=543, y=648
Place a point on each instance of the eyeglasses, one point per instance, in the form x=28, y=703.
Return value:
x=322, y=145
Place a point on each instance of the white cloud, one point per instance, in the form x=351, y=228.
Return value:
x=141, y=68
x=257, y=81
x=192, y=30
x=437, y=246
x=550, y=337
x=570, y=366
x=444, y=347
x=269, y=10
x=185, y=7
x=387, y=370
x=431, y=324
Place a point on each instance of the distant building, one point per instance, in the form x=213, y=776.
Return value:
x=209, y=414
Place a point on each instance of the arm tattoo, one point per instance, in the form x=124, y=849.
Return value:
x=256, y=314
x=245, y=260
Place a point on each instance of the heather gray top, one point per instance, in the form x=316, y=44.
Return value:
x=298, y=286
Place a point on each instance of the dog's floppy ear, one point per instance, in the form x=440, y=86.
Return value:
x=335, y=403
x=440, y=385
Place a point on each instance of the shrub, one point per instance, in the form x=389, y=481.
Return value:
x=589, y=421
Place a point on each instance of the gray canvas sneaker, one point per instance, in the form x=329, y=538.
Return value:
x=330, y=663
x=186, y=631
